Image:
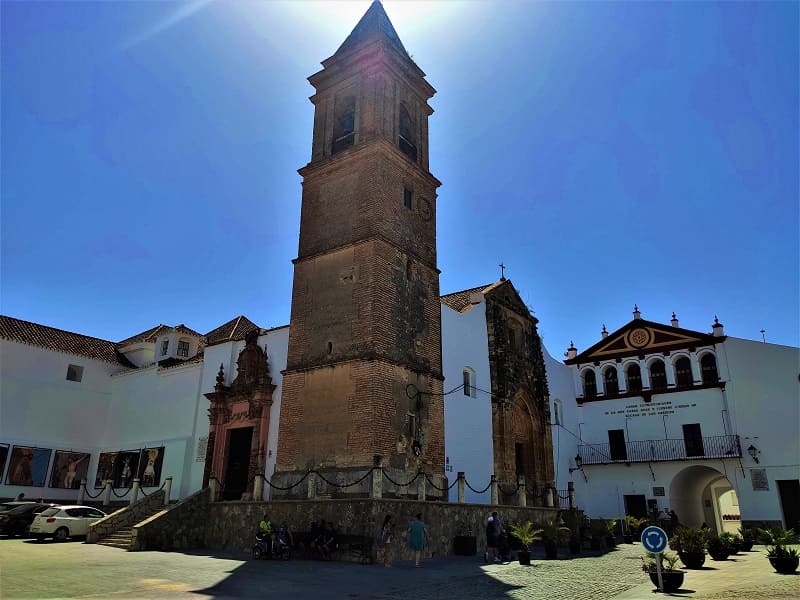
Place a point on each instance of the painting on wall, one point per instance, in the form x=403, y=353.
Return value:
x=105, y=468
x=126, y=465
x=69, y=468
x=150, y=467
x=3, y=459
x=28, y=466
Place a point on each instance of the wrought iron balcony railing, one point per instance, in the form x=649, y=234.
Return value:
x=720, y=446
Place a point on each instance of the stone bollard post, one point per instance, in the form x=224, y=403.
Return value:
x=571, y=492
x=107, y=493
x=312, y=486
x=167, y=490
x=135, y=490
x=548, y=497
x=82, y=492
x=493, y=488
x=462, y=492
x=521, y=493
x=377, y=477
x=213, y=486
x=422, y=487
x=258, y=487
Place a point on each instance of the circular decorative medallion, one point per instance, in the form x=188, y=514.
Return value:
x=639, y=337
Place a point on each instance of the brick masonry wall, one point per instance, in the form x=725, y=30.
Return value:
x=125, y=517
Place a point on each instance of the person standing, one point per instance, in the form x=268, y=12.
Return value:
x=417, y=537
x=386, y=539
x=493, y=530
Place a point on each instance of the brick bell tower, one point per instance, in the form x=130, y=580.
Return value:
x=364, y=369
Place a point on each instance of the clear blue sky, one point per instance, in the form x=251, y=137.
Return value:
x=607, y=153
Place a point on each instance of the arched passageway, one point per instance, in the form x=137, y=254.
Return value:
x=701, y=494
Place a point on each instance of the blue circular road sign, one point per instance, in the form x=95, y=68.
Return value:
x=654, y=539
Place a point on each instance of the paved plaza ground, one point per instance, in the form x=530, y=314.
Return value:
x=77, y=570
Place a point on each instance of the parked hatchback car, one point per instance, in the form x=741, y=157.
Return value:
x=4, y=506
x=17, y=520
x=61, y=522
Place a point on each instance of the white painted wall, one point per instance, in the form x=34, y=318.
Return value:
x=467, y=420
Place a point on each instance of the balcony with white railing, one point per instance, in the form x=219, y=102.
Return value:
x=719, y=446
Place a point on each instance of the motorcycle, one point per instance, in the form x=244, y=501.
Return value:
x=266, y=548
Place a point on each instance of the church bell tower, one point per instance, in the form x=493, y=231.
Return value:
x=364, y=369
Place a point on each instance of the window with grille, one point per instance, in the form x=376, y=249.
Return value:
x=658, y=375
x=708, y=367
x=589, y=384
x=683, y=372
x=611, y=381
x=183, y=348
x=633, y=377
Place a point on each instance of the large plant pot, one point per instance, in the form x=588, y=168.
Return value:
x=465, y=545
x=627, y=538
x=524, y=557
x=784, y=564
x=673, y=580
x=550, y=550
x=574, y=546
x=611, y=541
x=747, y=546
x=718, y=554
x=735, y=547
x=692, y=560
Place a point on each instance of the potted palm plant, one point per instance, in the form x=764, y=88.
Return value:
x=717, y=548
x=552, y=531
x=748, y=539
x=526, y=534
x=730, y=542
x=672, y=577
x=784, y=560
x=572, y=521
x=690, y=544
x=611, y=538
x=632, y=526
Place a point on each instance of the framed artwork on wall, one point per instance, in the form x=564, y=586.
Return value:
x=69, y=468
x=3, y=459
x=150, y=467
x=28, y=466
x=105, y=469
x=126, y=465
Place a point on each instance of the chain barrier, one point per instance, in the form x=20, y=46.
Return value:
x=123, y=494
x=385, y=474
x=340, y=485
x=505, y=493
x=294, y=485
x=483, y=491
x=434, y=486
x=564, y=496
x=145, y=494
x=88, y=495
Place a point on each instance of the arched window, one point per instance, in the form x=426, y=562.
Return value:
x=658, y=375
x=611, y=382
x=344, y=124
x=469, y=382
x=633, y=377
x=683, y=372
x=708, y=367
x=408, y=135
x=589, y=384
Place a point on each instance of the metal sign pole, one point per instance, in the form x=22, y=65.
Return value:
x=658, y=571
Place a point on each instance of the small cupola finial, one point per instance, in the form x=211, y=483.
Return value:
x=603, y=332
x=674, y=321
x=220, y=377
x=636, y=313
x=717, y=329
x=572, y=351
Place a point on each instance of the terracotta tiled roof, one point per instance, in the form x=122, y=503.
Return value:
x=235, y=329
x=146, y=336
x=184, y=329
x=460, y=301
x=62, y=341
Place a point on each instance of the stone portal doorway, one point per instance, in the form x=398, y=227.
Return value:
x=237, y=465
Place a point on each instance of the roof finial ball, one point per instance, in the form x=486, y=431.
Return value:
x=636, y=313
x=674, y=321
x=716, y=328
x=603, y=332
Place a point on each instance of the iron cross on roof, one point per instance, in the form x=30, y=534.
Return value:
x=502, y=272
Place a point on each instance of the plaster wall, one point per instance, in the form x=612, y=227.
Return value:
x=467, y=420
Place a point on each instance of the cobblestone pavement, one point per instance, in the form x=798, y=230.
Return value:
x=74, y=570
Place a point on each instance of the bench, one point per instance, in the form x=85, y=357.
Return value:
x=358, y=548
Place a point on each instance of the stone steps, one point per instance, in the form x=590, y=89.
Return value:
x=123, y=537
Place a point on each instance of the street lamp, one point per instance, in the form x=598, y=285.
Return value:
x=753, y=452
x=578, y=467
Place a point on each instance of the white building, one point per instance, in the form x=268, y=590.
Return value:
x=703, y=424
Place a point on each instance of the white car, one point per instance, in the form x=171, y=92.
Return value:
x=61, y=522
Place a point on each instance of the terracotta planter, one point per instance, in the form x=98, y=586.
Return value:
x=693, y=560
x=673, y=580
x=784, y=564
x=524, y=557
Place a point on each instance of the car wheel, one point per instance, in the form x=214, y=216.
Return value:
x=61, y=534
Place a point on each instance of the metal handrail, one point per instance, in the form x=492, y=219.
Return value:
x=719, y=446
